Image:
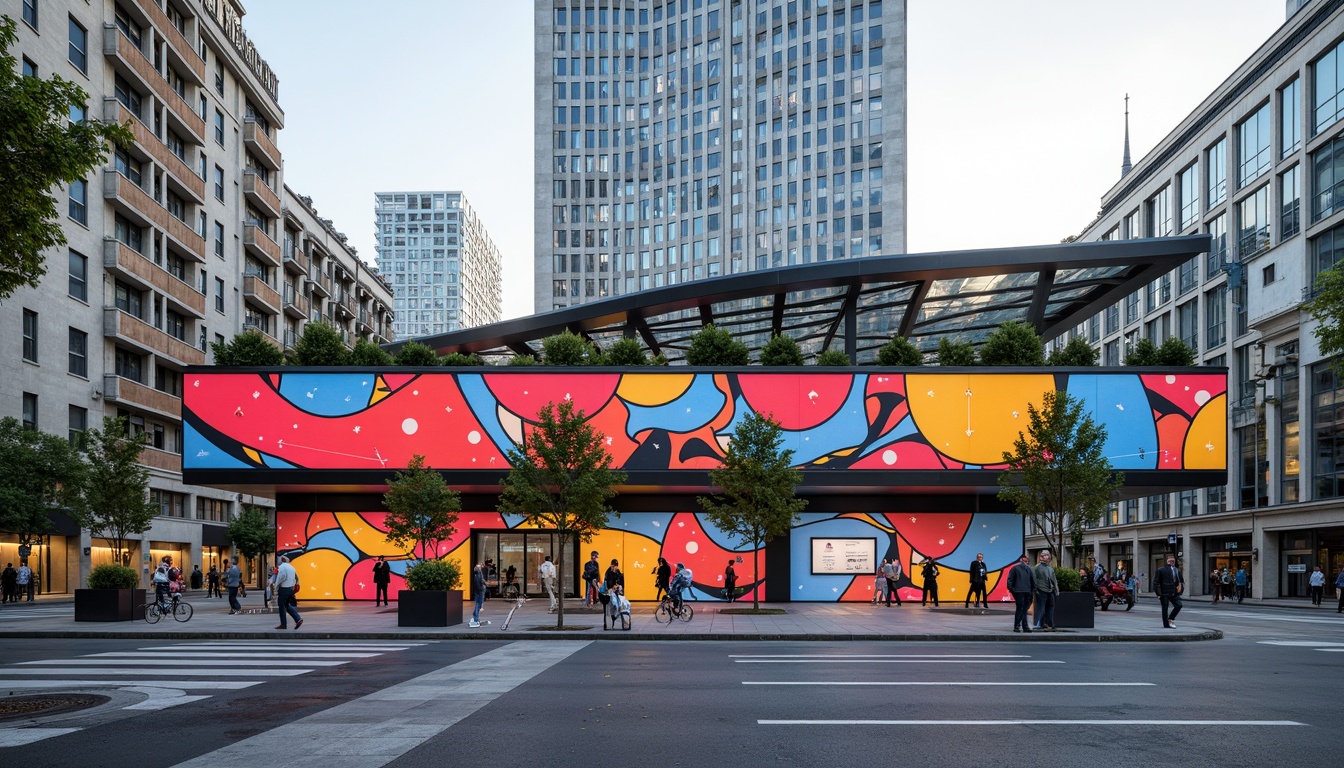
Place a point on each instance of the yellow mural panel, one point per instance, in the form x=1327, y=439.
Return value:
x=974, y=418
x=1206, y=442
x=653, y=389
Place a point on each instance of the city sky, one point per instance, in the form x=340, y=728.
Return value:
x=1015, y=109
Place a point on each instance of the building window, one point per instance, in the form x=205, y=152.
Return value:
x=1111, y=353
x=129, y=28
x=1290, y=209
x=1253, y=223
x=128, y=233
x=219, y=181
x=79, y=201
x=1188, y=183
x=1217, y=256
x=1327, y=171
x=1327, y=89
x=1290, y=450
x=219, y=295
x=1290, y=119
x=212, y=510
x=78, y=426
x=129, y=299
x=1132, y=308
x=170, y=504
x=30, y=13
x=79, y=276
x=1112, y=319
x=1252, y=465
x=1187, y=324
x=1215, y=317
x=129, y=365
x=175, y=325
x=1329, y=248
x=1217, y=170
x=29, y=410
x=1253, y=138
x=1159, y=213
x=219, y=239
x=219, y=128
x=29, y=67
x=30, y=335
x=168, y=381
x=1188, y=276
x=79, y=46
x=79, y=353
x=128, y=96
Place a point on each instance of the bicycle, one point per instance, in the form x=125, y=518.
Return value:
x=667, y=610
x=179, y=609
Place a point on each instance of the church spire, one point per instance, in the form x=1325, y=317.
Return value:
x=1125, y=165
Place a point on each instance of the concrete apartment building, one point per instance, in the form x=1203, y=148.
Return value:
x=444, y=268
x=186, y=237
x=684, y=139
x=1259, y=165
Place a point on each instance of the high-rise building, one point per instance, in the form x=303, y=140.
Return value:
x=444, y=269
x=678, y=140
x=177, y=242
x=1257, y=165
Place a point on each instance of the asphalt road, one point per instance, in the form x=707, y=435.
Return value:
x=1266, y=695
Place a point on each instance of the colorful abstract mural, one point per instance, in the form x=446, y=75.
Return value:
x=671, y=420
x=334, y=552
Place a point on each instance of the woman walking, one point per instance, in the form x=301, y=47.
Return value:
x=730, y=582
x=662, y=578
x=930, y=574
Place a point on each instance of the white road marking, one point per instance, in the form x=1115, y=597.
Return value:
x=1181, y=723
x=1302, y=643
x=888, y=682
x=17, y=737
x=149, y=663
x=157, y=697
x=878, y=656
x=896, y=661
x=210, y=685
x=225, y=655
x=399, y=718
x=153, y=670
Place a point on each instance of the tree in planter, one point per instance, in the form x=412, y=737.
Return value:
x=567, y=348
x=38, y=473
x=253, y=536
x=955, y=353
x=711, y=346
x=1077, y=353
x=115, y=504
x=1058, y=474
x=561, y=479
x=758, y=482
x=627, y=352
x=900, y=352
x=1173, y=352
x=458, y=359
x=1013, y=343
x=781, y=350
x=421, y=510
x=249, y=348
x=366, y=354
x=413, y=353
x=320, y=344
x=832, y=357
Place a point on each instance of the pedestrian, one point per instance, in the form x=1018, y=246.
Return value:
x=24, y=581
x=662, y=579
x=893, y=573
x=1215, y=585
x=197, y=578
x=1047, y=587
x=233, y=581
x=1339, y=589
x=613, y=576
x=1242, y=581
x=1132, y=584
x=212, y=582
x=880, y=585
x=730, y=583
x=161, y=579
x=591, y=575
x=1169, y=585
x=547, y=575
x=382, y=576
x=477, y=592
x=1121, y=575
x=1022, y=585
x=1316, y=585
x=979, y=576
x=930, y=574
x=286, y=584
x=1097, y=571
x=1227, y=583
x=9, y=581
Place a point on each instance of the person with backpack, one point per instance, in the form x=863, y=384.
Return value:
x=681, y=581
x=930, y=574
x=163, y=576
x=591, y=574
x=212, y=583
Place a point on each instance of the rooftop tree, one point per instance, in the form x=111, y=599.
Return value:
x=781, y=350
x=899, y=352
x=249, y=348
x=715, y=347
x=320, y=344
x=955, y=353
x=1013, y=343
x=1077, y=353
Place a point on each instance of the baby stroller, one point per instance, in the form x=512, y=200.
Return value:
x=615, y=608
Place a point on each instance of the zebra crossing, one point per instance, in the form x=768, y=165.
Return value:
x=156, y=677
x=35, y=610
x=1315, y=645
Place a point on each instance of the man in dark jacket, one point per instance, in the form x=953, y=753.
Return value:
x=382, y=576
x=477, y=592
x=979, y=575
x=1169, y=585
x=1022, y=584
x=10, y=583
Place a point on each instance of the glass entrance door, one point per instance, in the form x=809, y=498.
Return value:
x=524, y=552
x=1297, y=567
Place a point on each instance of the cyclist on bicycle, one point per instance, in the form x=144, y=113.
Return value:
x=164, y=575
x=679, y=582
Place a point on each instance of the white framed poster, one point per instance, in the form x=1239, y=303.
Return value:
x=844, y=556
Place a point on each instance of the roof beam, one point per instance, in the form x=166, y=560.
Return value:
x=1036, y=313
x=650, y=340
x=706, y=314
x=521, y=349
x=851, y=301
x=912, y=309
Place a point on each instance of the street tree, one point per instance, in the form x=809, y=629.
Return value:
x=421, y=510
x=253, y=536
x=320, y=344
x=40, y=148
x=1173, y=352
x=249, y=348
x=1077, y=353
x=757, y=484
x=39, y=473
x=115, y=504
x=561, y=479
x=1327, y=309
x=366, y=354
x=1058, y=474
x=1013, y=343
x=413, y=353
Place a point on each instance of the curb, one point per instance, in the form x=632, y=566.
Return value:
x=1054, y=637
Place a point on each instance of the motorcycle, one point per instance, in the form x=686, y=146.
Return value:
x=1113, y=593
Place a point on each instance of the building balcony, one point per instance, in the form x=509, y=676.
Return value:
x=296, y=304
x=266, y=332
x=188, y=61
x=119, y=188
x=259, y=194
x=345, y=306
x=259, y=243
x=256, y=290
x=177, y=168
x=136, y=333
x=291, y=339
x=123, y=391
x=119, y=259
x=120, y=50
x=165, y=460
x=296, y=261
x=256, y=140
x=321, y=283
x=365, y=326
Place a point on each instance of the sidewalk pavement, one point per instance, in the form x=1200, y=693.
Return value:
x=712, y=621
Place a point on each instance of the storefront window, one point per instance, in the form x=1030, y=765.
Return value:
x=1327, y=423
x=1289, y=428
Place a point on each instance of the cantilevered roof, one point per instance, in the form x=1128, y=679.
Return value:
x=858, y=305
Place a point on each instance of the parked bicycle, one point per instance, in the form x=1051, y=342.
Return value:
x=174, y=606
x=668, y=610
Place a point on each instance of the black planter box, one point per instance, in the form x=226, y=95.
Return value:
x=110, y=604
x=1074, y=610
x=429, y=608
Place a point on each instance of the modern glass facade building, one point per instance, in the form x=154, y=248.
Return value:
x=1257, y=166
x=443, y=267
x=683, y=139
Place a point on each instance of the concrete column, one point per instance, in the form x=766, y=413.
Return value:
x=1265, y=575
